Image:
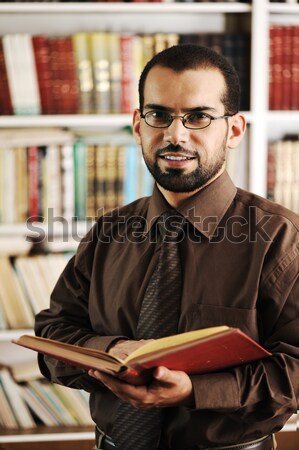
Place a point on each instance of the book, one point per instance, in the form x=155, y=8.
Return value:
x=12, y=297
x=17, y=404
x=42, y=58
x=84, y=71
x=194, y=352
x=100, y=66
x=5, y=97
x=21, y=72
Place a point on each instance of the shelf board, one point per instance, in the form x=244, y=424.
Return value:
x=122, y=7
x=283, y=116
x=283, y=8
x=68, y=120
x=8, y=335
x=74, y=120
x=47, y=435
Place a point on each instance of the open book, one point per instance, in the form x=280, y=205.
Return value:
x=194, y=352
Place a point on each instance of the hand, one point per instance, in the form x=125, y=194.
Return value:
x=122, y=348
x=169, y=388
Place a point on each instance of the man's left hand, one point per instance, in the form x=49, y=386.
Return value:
x=168, y=388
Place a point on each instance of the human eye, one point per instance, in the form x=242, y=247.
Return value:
x=197, y=118
x=158, y=117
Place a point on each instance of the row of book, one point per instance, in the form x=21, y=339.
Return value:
x=31, y=403
x=94, y=72
x=55, y=174
x=283, y=172
x=284, y=67
x=26, y=286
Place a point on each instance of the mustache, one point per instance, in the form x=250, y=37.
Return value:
x=176, y=149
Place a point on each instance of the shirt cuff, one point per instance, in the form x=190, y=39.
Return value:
x=102, y=343
x=218, y=391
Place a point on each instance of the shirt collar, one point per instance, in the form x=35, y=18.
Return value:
x=204, y=210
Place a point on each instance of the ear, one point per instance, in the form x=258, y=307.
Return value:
x=237, y=128
x=136, y=126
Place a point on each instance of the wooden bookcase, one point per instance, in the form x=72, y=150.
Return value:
x=67, y=18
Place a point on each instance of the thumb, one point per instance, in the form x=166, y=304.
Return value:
x=163, y=374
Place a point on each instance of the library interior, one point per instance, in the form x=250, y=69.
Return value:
x=69, y=74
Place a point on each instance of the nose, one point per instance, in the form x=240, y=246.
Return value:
x=176, y=133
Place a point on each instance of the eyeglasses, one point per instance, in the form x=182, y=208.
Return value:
x=193, y=120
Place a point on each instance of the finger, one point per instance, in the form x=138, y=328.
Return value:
x=165, y=375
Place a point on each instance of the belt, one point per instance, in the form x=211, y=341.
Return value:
x=267, y=443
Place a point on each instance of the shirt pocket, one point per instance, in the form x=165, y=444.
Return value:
x=204, y=316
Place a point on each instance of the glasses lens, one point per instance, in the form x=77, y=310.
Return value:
x=158, y=119
x=197, y=120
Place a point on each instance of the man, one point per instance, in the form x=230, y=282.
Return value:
x=239, y=258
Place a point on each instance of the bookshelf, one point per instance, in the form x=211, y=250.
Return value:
x=67, y=18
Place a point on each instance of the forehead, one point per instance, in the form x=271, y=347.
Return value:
x=187, y=89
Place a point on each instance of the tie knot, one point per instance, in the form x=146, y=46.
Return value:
x=171, y=226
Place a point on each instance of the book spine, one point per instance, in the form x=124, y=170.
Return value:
x=44, y=73
x=33, y=178
x=84, y=71
x=276, y=37
x=286, y=67
x=80, y=179
x=5, y=98
x=101, y=71
x=127, y=80
x=295, y=69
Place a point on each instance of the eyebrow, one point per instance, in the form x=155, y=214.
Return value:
x=203, y=108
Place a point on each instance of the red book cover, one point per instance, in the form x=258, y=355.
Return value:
x=44, y=74
x=70, y=82
x=127, y=75
x=295, y=69
x=65, y=88
x=33, y=182
x=271, y=171
x=5, y=98
x=276, y=63
x=194, y=352
x=286, y=67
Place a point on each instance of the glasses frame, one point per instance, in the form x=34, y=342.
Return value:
x=183, y=119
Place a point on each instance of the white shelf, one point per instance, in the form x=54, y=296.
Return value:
x=284, y=116
x=48, y=437
x=283, y=8
x=8, y=335
x=73, y=121
x=124, y=8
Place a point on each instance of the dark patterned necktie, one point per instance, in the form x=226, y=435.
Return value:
x=135, y=429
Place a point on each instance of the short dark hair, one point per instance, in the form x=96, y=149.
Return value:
x=191, y=56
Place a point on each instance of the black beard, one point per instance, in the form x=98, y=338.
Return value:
x=174, y=180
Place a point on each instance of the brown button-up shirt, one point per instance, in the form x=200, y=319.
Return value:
x=240, y=268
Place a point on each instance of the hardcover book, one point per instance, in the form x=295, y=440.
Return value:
x=194, y=352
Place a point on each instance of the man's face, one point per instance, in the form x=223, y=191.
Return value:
x=180, y=159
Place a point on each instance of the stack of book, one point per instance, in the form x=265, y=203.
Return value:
x=31, y=402
x=94, y=72
x=283, y=172
x=284, y=67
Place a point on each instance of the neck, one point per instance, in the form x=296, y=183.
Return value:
x=175, y=199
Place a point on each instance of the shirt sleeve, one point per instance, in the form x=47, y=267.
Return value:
x=67, y=320
x=268, y=388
